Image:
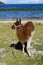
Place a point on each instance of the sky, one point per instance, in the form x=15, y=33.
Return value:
x=22, y=1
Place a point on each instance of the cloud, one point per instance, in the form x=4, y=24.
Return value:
x=3, y=0
x=17, y=1
x=22, y=1
x=36, y=1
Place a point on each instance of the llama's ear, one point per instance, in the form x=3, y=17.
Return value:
x=19, y=20
x=16, y=20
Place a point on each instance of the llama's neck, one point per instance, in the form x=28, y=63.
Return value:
x=19, y=28
x=20, y=33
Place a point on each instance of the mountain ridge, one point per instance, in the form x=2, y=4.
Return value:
x=1, y=2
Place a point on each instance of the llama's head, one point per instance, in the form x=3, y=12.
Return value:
x=16, y=24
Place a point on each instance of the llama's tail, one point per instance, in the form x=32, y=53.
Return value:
x=32, y=33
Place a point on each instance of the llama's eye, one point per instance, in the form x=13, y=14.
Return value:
x=17, y=23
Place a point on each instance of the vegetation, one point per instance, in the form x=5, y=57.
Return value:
x=13, y=56
x=19, y=9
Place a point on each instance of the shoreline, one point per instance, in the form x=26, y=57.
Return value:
x=24, y=20
x=19, y=9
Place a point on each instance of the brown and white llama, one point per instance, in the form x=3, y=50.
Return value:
x=24, y=33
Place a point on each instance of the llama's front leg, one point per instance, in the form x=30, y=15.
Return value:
x=23, y=49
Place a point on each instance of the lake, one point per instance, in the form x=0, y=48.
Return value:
x=22, y=14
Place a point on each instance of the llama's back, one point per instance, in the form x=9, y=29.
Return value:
x=29, y=26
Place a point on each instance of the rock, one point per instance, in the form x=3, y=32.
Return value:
x=2, y=63
x=33, y=52
x=40, y=52
x=2, y=50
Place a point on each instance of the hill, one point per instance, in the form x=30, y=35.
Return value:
x=1, y=2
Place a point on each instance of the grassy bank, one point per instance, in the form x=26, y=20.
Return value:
x=13, y=56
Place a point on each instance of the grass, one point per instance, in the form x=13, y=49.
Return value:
x=13, y=56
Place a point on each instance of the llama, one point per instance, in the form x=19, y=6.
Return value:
x=24, y=33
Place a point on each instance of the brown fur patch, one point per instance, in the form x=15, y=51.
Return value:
x=24, y=32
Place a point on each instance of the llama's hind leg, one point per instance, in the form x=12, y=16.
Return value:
x=29, y=43
x=23, y=49
x=28, y=47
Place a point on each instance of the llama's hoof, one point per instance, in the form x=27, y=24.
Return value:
x=29, y=54
x=24, y=53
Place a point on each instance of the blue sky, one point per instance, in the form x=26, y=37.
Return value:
x=22, y=1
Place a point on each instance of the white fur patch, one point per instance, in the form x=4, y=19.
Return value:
x=23, y=48
x=29, y=43
x=30, y=39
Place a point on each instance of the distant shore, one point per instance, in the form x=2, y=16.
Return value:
x=24, y=20
x=19, y=9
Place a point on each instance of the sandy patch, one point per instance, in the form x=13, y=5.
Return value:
x=23, y=20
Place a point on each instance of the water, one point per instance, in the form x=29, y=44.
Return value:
x=22, y=14
x=21, y=6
